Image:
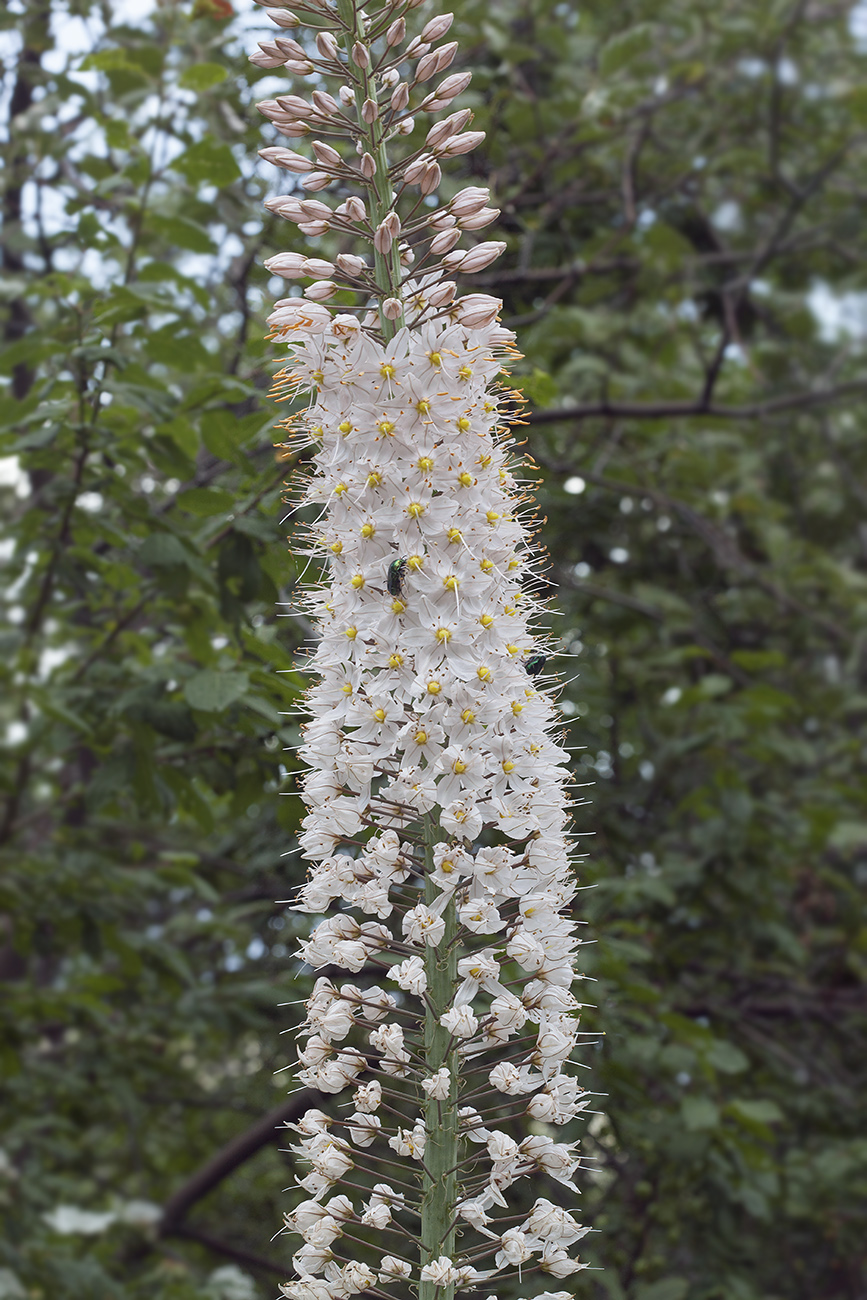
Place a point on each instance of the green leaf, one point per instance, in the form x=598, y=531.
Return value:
x=162, y=549
x=755, y=1113
x=699, y=1113
x=212, y=691
x=201, y=76
x=208, y=162
x=207, y=501
x=727, y=1058
x=183, y=233
x=625, y=47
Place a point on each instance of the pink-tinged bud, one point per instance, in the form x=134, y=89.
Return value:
x=396, y=32
x=270, y=108
x=369, y=111
x=442, y=220
x=469, y=200
x=284, y=205
x=316, y=181
x=294, y=130
x=287, y=159
x=317, y=266
x=431, y=178
x=283, y=17
x=360, y=55
x=326, y=103
x=313, y=210
x=392, y=308
x=326, y=154
x=314, y=227
x=442, y=293
x=327, y=45
x=417, y=48
x=289, y=265
x=263, y=58
x=350, y=264
x=295, y=106
x=462, y=143
x=290, y=48
x=415, y=170
x=437, y=27
x=368, y=166
x=444, y=241
x=452, y=261
x=479, y=219
x=482, y=255
x=346, y=95
x=345, y=326
x=400, y=97
x=383, y=239
x=390, y=79
x=355, y=209
x=449, y=126
x=476, y=310
x=291, y=314
x=436, y=61
x=407, y=256
x=320, y=290
x=406, y=127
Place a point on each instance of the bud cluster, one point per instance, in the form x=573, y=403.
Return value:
x=437, y=813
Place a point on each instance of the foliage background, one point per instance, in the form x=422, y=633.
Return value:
x=682, y=185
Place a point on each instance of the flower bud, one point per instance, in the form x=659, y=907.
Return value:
x=313, y=210
x=313, y=227
x=469, y=200
x=284, y=205
x=346, y=95
x=290, y=48
x=444, y=241
x=368, y=166
x=320, y=290
x=355, y=209
x=267, y=56
x=413, y=172
x=390, y=79
x=317, y=266
x=400, y=97
x=285, y=158
x=440, y=132
x=431, y=178
x=453, y=85
x=392, y=308
x=436, y=27
x=407, y=126
x=327, y=45
x=298, y=67
x=436, y=61
x=417, y=48
x=295, y=106
x=442, y=220
x=382, y=240
x=326, y=154
x=479, y=219
x=289, y=265
x=283, y=17
x=442, y=293
x=360, y=55
x=325, y=103
x=481, y=256
x=396, y=32
x=316, y=181
x=369, y=111
x=350, y=264
x=462, y=143
x=476, y=310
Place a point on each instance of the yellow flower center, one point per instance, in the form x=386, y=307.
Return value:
x=468, y=716
x=463, y=424
x=483, y=673
x=451, y=583
x=443, y=635
x=514, y=564
x=386, y=427
x=398, y=606
x=465, y=479
x=447, y=866
x=317, y=376
x=423, y=406
x=517, y=708
x=352, y=633
x=454, y=534
x=347, y=688
x=492, y=516
x=458, y=766
x=395, y=660
x=415, y=509
x=415, y=562
x=345, y=426
x=336, y=547
x=367, y=530
x=484, y=460
x=434, y=687
x=465, y=372
x=317, y=431
x=421, y=737
x=513, y=650
x=386, y=370
x=486, y=565
x=358, y=581
x=340, y=489
x=425, y=464
x=508, y=766
x=486, y=620
x=379, y=714
x=435, y=358
x=374, y=479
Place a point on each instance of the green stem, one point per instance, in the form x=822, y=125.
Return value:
x=441, y=1117
x=386, y=266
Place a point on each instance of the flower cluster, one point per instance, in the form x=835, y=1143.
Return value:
x=436, y=823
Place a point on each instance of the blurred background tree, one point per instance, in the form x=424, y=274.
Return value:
x=682, y=185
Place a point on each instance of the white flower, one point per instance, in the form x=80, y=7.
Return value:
x=437, y=1086
x=460, y=1021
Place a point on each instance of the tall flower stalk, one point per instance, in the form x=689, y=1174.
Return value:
x=436, y=824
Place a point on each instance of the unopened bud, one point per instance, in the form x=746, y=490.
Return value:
x=442, y=220
x=383, y=239
x=327, y=45
x=437, y=27
x=436, y=61
x=295, y=106
x=313, y=210
x=326, y=154
x=392, y=308
x=316, y=181
x=431, y=178
x=462, y=143
x=360, y=55
x=444, y=241
x=476, y=310
x=346, y=95
x=390, y=79
x=283, y=17
x=416, y=48
x=407, y=256
x=318, y=267
x=471, y=199
x=415, y=170
x=287, y=159
x=326, y=103
x=320, y=290
x=264, y=58
x=289, y=265
x=479, y=219
x=298, y=67
x=369, y=111
x=355, y=209
x=440, y=132
x=290, y=48
x=349, y=264
x=284, y=205
x=396, y=32
x=406, y=127
x=313, y=227
x=368, y=166
x=481, y=256
x=442, y=293
x=400, y=97
x=454, y=85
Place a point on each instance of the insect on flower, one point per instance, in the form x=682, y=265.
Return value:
x=535, y=664
x=394, y=580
